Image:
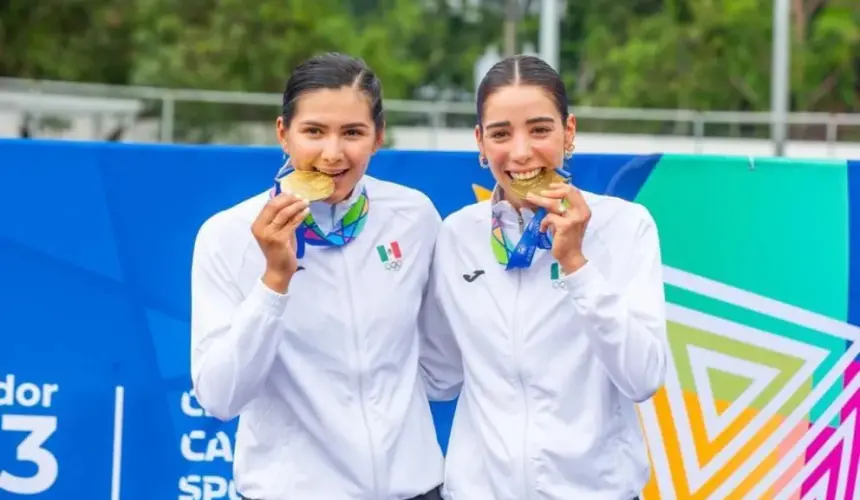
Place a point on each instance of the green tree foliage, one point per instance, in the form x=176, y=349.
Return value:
x=240, y=45
x=712, y=54
x=229, y=45
x=82, y=40
x=699, y=54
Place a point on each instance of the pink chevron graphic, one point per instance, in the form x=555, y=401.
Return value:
x=830, y=466
x=853, y=406
x=842, y=459
x=311, y=235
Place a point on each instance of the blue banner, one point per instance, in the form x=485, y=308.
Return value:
x=95, y=253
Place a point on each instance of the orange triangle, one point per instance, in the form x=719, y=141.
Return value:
x=481, y=193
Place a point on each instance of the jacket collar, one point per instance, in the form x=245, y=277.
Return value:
x=510, y=218
x=327, y=215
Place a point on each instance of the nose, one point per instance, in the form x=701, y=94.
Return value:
x=332, y=153
x=521, y=152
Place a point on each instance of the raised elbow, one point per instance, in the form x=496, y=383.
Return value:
x=645, y=393
x=648, y=385
x=652, y=374
x=222, y=413
x=218, y=404
x=223, y=410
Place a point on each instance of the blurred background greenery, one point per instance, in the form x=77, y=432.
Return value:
x=685, y=54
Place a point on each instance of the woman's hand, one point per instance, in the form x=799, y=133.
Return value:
x=275, y=232
x=567, y=217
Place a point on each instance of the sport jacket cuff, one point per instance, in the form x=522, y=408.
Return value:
x=267, y=300
x=577, y=283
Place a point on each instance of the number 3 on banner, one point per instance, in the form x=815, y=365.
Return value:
x=40, y=428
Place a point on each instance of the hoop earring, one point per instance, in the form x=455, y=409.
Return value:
x=568, y=153
x=483, y=161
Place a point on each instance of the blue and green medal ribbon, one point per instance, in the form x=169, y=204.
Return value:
x=344, y=231
x=521, y=254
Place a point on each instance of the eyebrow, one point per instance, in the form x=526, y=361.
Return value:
x=530, y=121
x=345, y=126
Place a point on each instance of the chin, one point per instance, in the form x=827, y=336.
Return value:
x=340, y=194
x=335, y=198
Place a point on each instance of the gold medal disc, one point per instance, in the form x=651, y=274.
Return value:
x=312, y=186
x=521, y=189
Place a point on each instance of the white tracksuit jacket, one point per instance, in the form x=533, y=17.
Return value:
x=325, y=378
x=551, y=368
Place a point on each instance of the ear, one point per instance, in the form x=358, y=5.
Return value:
x=479, y=139
x=380, y=139
x=570, y=130
x=281, y=131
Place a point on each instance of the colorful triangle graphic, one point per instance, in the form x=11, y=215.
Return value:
x=747, y=378
x=757, y=377
x=830, y=471
x=731, y=385
x=769, y=371
x=719, y=428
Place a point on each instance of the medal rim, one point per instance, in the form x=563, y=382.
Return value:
x=301, y=183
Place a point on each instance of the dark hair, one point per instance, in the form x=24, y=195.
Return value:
x=333, y=71
x=523, y=70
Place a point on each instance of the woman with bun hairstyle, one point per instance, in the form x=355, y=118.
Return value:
x=306, y=299
x=555, y=301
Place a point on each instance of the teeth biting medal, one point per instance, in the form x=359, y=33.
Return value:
x=310, y=185
x=522, y=187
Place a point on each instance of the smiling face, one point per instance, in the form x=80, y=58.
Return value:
x=332, y=131
x=523, y=134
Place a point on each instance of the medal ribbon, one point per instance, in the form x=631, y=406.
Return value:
x=520, y=256
x=344, y=231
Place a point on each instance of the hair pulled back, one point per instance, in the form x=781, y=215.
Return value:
x=333, y=71
x=523, y=70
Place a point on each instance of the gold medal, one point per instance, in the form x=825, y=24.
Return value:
x=312, y=186
x=521, y=188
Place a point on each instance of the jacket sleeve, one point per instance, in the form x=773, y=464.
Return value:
x=441, y=363
x=627, y=325
x=234, y=339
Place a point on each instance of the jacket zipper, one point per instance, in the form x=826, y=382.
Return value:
x=360, y=383
x=517, y=334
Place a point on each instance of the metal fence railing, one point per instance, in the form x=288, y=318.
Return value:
x=161, y=103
